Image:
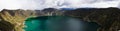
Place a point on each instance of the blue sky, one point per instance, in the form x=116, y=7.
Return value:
x=41, y=4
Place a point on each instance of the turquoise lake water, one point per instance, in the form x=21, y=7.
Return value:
x=58, y=23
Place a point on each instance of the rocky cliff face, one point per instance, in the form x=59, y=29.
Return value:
x=17, y=17
x=107, y=18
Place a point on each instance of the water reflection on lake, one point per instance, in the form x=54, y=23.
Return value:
x=59, y=23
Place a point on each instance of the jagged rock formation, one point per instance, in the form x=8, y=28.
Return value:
x=107, y=18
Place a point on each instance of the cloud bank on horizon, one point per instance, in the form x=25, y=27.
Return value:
x=41, y=4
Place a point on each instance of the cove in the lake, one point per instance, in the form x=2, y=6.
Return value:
x=58, y=23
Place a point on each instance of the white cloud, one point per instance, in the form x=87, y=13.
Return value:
x=41, y=4
x=9, y=4
x=102, y=4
